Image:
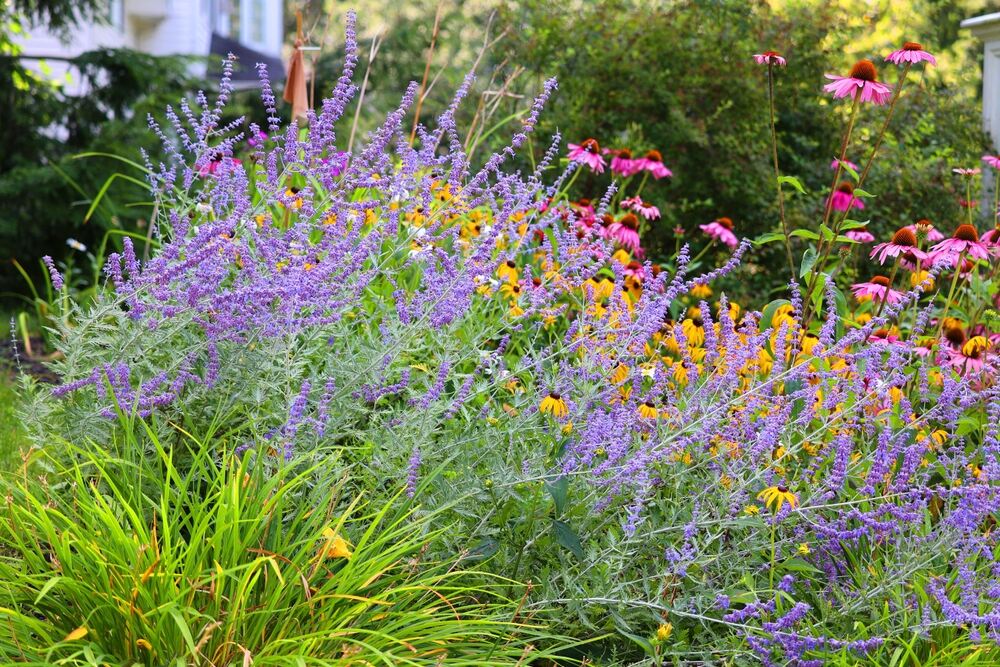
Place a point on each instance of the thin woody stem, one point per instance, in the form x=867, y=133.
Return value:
x=892, y=279
x=777, y=171
x=861, y=179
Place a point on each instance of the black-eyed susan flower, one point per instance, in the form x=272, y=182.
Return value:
x=620, y=374
x=555, y=405
x=507, y=271
x=701, y=291
x=776, y=496
x=664, y=631
x=647, y=410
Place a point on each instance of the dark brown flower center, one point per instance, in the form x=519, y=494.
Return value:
x=554, y=396
x=904, y=237
x=654, y=156
x=649, y=404
x=864, y=70
x=725, y=222
x=770, y=55
x=954, y=335
x=629, y=220
x=881, y=333
x=782, y=489
x=880, y=280
x=634, y=266
x=625, y=154
x=845, y=187
x=607, y=219
x=511, y=264
x=913, y=46
x=966, y=233
x=591, y=146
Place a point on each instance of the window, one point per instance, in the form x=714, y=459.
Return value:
x=256, y=20
x=116, y=14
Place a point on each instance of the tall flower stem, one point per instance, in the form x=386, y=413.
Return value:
x=968, y=199
x=996, y=198
x=892, y=280
x=642, y=184
x=814, y=275
x=951, y=293
x=774, y=523
x=702, y=253
x=777, y=171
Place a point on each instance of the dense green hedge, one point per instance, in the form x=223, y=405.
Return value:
x=678, y=77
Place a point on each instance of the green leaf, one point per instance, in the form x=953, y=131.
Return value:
x=768, y=313
x=805, y=234
x=485, y=548
x=848, y=225
x=567, y=539
x=770, y=237
x=46, y=588
x=862, y=193
x=558, y=489
x=792, y=181
x=826, y=232
x=845, y=239
x=809, y=258
x=799, y=565
x=850, y=170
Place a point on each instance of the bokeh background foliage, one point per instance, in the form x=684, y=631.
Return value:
x=673, y=75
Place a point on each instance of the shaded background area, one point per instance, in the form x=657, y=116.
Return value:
x=676, y=76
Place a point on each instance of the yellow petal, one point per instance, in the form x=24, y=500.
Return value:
x=142, y=643
x=79, y=633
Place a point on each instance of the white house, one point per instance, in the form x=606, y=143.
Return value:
x=253, y=29
x=987, y=28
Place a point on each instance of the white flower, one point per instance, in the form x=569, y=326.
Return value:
x=76, y=245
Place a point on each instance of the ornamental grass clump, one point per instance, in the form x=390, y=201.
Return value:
x=124, y=558
x=677, y=474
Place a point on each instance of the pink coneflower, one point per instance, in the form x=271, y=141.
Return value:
x=212, y=167
x=913, y=53
x=904, y=242
x=635, y=270
x=861, y=80
x=861, y=235
x=623, y=163
x=647, y=211
x=625, y=232
x=971, y=356
x=884, y=336
x=652, y=162
x=337, y=162
x=721, y=229
x=589, y=153
x=992, y=160
x=966, y=241
x=843, y=199
x=769, y=58
x=257, y=140
x=926, y=228
x=846, y=163
x=964, y=171
x=877, y=289
x=992, y=237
